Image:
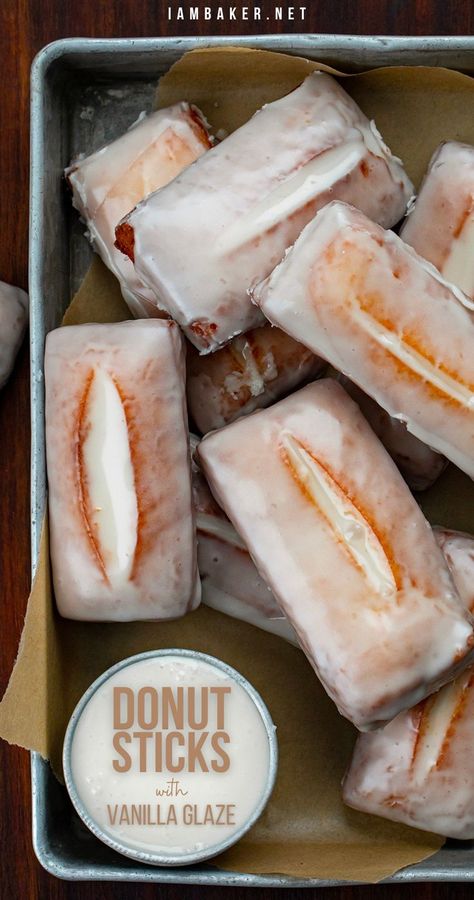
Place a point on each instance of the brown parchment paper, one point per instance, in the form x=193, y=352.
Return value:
x=306, y=830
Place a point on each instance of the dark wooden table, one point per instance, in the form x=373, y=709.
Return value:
x=24, y=28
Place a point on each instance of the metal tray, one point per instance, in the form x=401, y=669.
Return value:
x=84, y=92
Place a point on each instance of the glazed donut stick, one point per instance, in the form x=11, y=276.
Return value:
x=336, y=534
x=419, y=464
x=364, y=300
x=230, y=582
x=234, y=213
x=418, y=769
x=458, y=551
x=250, y=372
x=13, y=320
x=440, y=226
x=107, y=184
x=232, y=585
x=123, y=544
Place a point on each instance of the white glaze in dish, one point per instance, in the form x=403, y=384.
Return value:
x=170, y=757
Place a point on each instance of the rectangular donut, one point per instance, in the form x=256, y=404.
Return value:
x=336, y=534
x=419, y=464
x=232, y=584
x=226, y=221
x=440, y=225
x=250, y=372
x=364, y=300
x=418, y=769
x=122, y=528
x=230, y=581
x=108, y=184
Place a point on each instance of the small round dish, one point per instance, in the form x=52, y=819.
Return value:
x=170, y=757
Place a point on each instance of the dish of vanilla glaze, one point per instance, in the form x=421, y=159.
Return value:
x=170, y=757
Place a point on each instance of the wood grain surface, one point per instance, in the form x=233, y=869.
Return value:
x=25, y=27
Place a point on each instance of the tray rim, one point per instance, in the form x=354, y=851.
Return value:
x=344, y=44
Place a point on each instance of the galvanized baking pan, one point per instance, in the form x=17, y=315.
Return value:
x=84, y=92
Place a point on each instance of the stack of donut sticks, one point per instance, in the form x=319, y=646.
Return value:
x=328, y=364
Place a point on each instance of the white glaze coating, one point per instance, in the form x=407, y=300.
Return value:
x=362, y=581
x=108, y=471
x=362, y=299
x=105, y=791
x=440, y=226
x=230, y=581
x=458, y=266
x=234, y=213
x=13, y=320
x=239, y=607
x=250, y=372
x=458, y=550
x=419, y=464
x=120, y=505
x=107, y=184
x=418, y=769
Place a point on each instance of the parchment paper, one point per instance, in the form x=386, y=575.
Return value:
x=306, y=830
